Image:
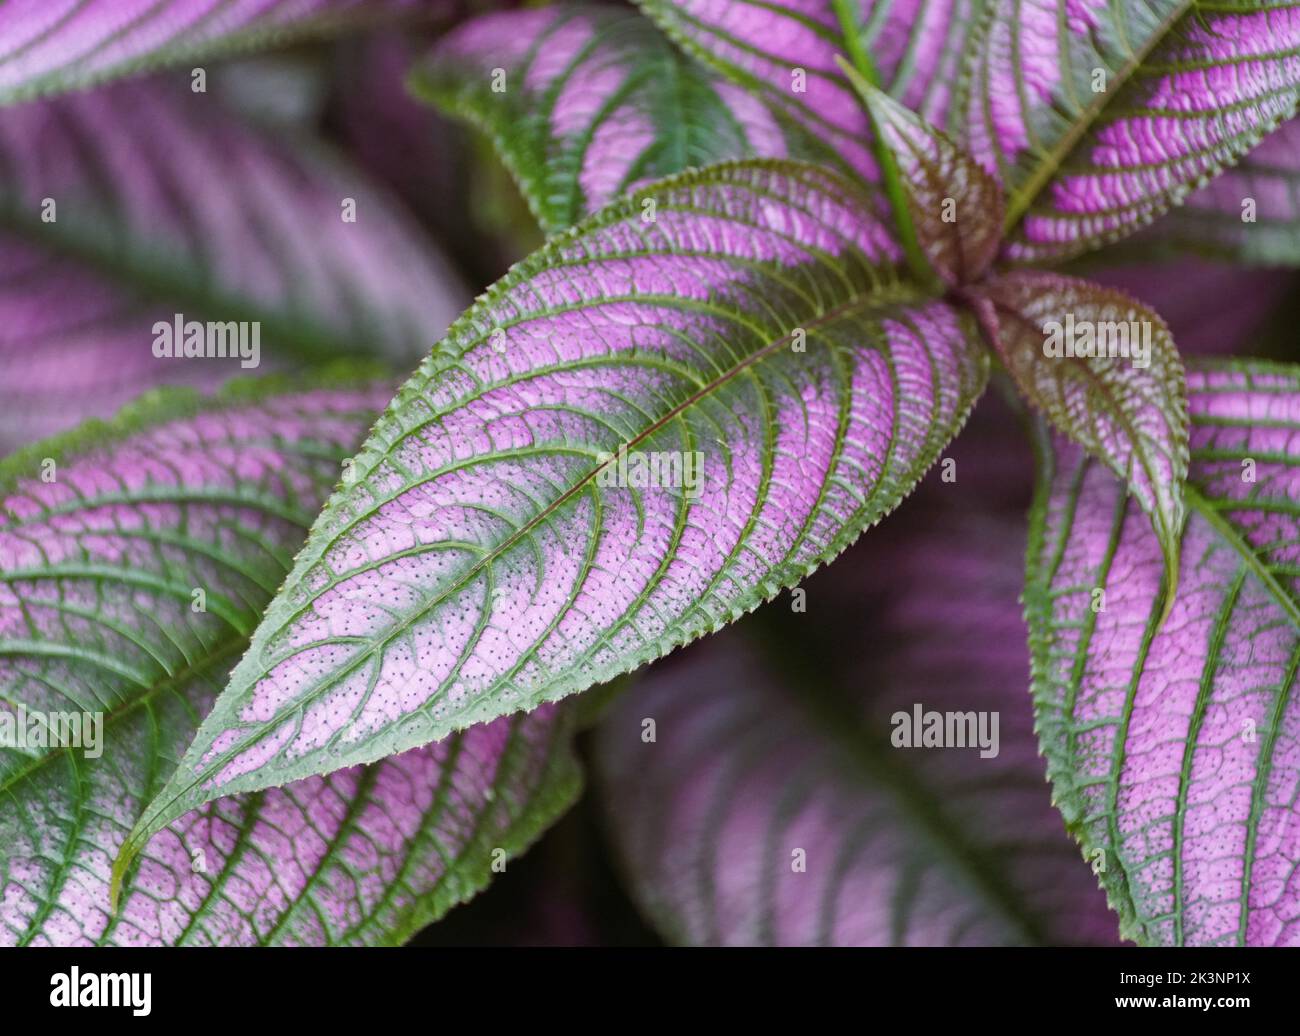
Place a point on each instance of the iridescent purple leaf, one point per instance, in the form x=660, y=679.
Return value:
x=1175, y=751
x=691, y=400
x=1248, y=214
x=130, y=205
x=135, y=560
x=1098, y=117
x=785, y=53
x=758, y=794
x=1105, y=370
x=49, y=46
x=584, y=103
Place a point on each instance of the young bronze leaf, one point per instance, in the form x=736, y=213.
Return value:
x=1104, y=370
x=955, y=206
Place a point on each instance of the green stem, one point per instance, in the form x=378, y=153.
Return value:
x=853, y=41
x=863, y=71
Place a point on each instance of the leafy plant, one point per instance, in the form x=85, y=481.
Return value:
x=788, y=246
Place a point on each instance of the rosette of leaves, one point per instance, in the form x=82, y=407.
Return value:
x=790, y=241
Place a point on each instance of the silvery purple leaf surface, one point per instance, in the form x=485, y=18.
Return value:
x=129, y=206
x=135, y=559
x=586, y=103
x=1099, y=117
x=1250, y=214
x=784, y=53
x=760, y=790
x=50, y=46
x=638, y=435
x=1096, y=118
x=298, y=661
x=1175, y=751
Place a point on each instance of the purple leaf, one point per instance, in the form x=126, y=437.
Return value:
x=585, y=103
x=135, y=559
x=1104, y=369
x=124, y=207
x=49, y=46
x=1175, y=752
x=752, y=774
x=1248, y=214
x=423, y=158
x=691, y=400
x=785, y=53
x=1098, y=117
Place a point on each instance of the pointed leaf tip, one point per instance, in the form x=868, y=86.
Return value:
x=505, y=543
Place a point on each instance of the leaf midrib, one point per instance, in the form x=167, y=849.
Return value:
x=152, y=277
x=864, y=301
x=1229, y=534
x=1021, y=197
x=1252, y=565
x=912, y=797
